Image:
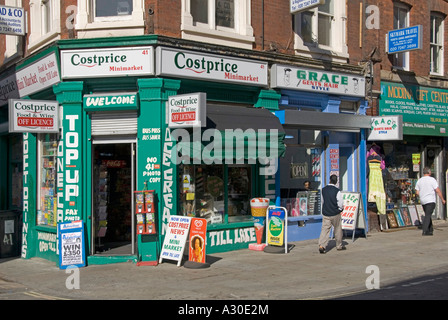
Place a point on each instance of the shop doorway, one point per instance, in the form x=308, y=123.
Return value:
x=113, y=185
x=346, y=169
x=433, y=158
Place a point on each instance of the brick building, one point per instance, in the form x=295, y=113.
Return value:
x=309, y=68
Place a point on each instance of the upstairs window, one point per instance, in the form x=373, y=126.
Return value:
x=436, y=44
x=104, y=9
x=401, y=20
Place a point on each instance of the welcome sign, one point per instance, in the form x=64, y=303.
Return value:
x=109, y=62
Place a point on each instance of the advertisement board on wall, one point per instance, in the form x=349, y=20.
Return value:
x=406, y=39
x=12, y=21
x=187, y=110
x=33, y=116
x=302, y=5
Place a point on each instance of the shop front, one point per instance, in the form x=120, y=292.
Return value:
x=424, y=124
x=323, y=114
x=115, y=140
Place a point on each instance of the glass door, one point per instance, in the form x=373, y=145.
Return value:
x=113, y=185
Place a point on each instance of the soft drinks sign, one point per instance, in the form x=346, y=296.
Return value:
x=33, y=116
x=186, y=111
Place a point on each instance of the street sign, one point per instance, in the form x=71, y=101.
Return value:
x=402, y=40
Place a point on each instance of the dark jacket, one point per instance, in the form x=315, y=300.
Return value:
x=332, y=203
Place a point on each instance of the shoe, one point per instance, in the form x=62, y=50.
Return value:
x=341, y=248
x=321, y=249
x=427, y=234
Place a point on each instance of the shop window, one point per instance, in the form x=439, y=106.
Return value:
x=47, y=195
x=401, y=20
x=218, y=21
x=321, y=29
x=436, y=44
x=205, y=194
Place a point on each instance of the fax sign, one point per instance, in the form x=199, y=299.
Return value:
x=401, y=40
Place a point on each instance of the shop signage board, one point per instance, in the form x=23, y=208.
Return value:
x=8, y=89
x=406, y=39
x=294, y=78
x=108, y=62
x=198, y=232
x=203, y=66
x=276, y=223
x=38, y=76
x=113, y=101
x=301, y=5
x=12, y=21
x=71, y=244
x=175, y=239
x=187, y=110
x=424, y=109
x=33, y=116
x=353, y=214
x=386, y=128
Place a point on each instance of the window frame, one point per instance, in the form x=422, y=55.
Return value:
x=437, y=44
x=400, y=61
x=40, y=32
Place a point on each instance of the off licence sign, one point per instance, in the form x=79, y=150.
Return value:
x=33, y=116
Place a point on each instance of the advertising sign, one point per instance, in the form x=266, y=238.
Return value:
x=424, y=109
x=276, y=226
x=39, y=75
x=71, y=244
x=386, y=128
x=120, y=101
x=8, y=89
x=198, y=65
x=33, y=116
x=175, y=238
x=187, y=110
x=353, y=215
x=12, y=21
x=109, y=62
x=198, y=231
x=406, y=39
x=301, y=5
x=289, y=77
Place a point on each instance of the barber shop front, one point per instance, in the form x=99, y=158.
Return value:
x=115, y=140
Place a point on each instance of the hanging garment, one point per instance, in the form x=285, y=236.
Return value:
x=376, y=186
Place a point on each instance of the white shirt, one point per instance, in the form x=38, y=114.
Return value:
x=426, y=186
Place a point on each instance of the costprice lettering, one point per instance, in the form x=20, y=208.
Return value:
x=207, y=66
x=77, y=60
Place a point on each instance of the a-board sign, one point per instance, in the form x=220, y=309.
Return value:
x=198, y=231
x=71, y=244
x=353, y=214
x=175, y=238
x=276, y=223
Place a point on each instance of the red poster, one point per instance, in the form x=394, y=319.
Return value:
x=198, y=229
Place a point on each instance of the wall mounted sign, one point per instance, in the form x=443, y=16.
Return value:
x=198, y=65
x=108, y=62
x=112, y=101
x=8, y=89
x=289, y=77
x=187, y=110
x=386, y=128
x=301, y=5
x=406, y=39
x=12, y=21
x=38, y=76
x=33, y=116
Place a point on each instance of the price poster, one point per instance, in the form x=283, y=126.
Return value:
x=175, y=238
x=71, y=244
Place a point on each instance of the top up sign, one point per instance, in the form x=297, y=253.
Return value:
x=401, y=40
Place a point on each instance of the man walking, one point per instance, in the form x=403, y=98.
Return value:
x=332, y=206
x=426, y=188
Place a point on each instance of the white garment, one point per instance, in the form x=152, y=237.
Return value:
x=426, y=187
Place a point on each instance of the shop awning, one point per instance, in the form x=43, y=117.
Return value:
x=241, y=133
x=323, y=120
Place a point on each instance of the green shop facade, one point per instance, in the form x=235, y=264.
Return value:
x=114, y=140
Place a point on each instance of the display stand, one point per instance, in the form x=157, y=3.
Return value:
x=277, y=233
x=145, y=213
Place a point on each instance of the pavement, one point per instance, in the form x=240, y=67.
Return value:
x=383, y=258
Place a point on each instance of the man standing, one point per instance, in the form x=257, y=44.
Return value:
x=332, y=206
x=426, y=188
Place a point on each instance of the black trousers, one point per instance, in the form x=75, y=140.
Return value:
x=427, y=220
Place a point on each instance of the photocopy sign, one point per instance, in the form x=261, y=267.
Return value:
x=301, y=5
x=406, y=39
x=33, y=116
x=12, y=21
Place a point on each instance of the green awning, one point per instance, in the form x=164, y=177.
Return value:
x=234, y=133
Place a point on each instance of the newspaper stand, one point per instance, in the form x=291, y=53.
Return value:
x=144, y=210
x=275, y=239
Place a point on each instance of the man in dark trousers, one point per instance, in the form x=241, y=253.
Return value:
x=332, y=206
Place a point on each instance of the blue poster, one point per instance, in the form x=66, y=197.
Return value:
x=402, y=40
x=71, y=245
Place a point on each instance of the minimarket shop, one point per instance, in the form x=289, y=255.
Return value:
x=423, y=113
x=114, y=140
x=323, y=114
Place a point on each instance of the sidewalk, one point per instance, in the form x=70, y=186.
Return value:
x=303, y=273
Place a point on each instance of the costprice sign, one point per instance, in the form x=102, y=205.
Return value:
x=12, y=21
x=33, y=116
x=187, y=110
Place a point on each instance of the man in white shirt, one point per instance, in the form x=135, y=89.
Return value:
x=426, y=188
